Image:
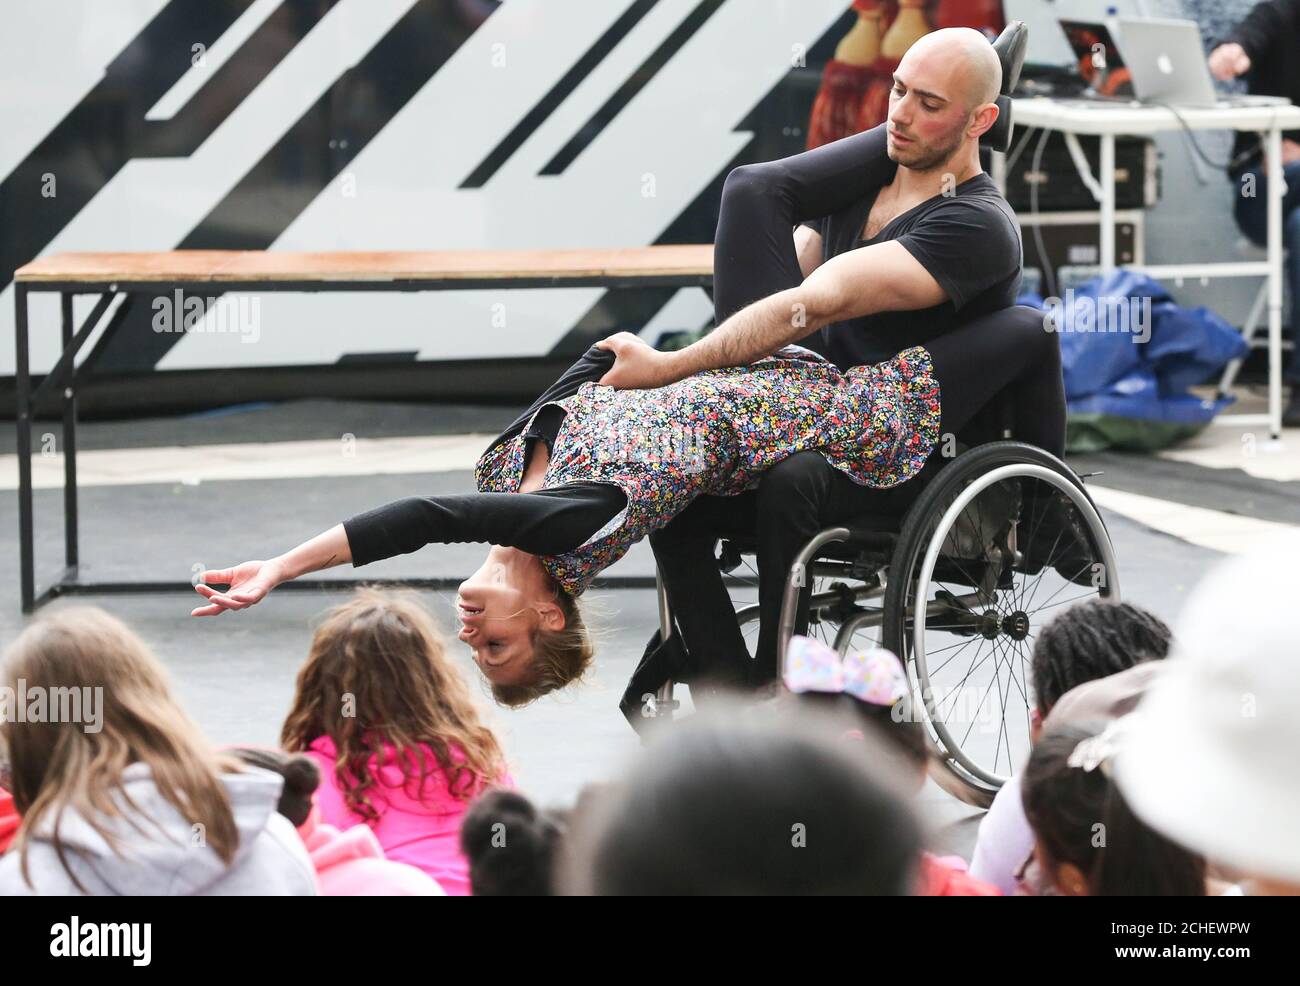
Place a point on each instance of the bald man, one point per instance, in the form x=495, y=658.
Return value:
x=902, y=238
x=916, y=242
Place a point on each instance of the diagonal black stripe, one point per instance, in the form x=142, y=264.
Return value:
x=307, y=157
x=558, y=93
x=327, y=137
x=788, y=101
x=629, y=309
x=230, y=84
x=637, y=81
x=105, y=130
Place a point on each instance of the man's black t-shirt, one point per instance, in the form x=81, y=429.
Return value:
x=969, y=241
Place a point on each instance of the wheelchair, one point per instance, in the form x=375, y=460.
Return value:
x=999, y=539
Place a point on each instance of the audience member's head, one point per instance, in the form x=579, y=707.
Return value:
x=300, y=773
x=1089, y=641
x=1088, y=843
x=120, y=712
x=1005, y=842
x=728, y=804
x=511, y=846
x=378, y=682
x=1210, y=757
x=868, y=689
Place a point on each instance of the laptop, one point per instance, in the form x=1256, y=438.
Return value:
x=1167, y=61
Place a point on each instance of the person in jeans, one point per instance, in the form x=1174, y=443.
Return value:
x=1263, y=48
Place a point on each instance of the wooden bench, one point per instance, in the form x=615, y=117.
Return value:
x=108, y=275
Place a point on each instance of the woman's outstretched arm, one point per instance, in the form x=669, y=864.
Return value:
x=250, y=581
x=545, y=522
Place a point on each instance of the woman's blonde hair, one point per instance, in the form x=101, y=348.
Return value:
x=79, y=651
x=560, y=657
x=378, y=674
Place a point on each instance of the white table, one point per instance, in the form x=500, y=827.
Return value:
x=1105, y=120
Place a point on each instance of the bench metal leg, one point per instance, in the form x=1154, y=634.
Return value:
x=22, y=418
x=70, y=543
x=28, y=399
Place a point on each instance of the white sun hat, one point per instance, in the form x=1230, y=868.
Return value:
x=1212, y=759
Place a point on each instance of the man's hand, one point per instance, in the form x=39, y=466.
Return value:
x=1229, y=61
x=637, y=365
x=249, y=583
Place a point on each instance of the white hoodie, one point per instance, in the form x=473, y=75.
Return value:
x=163, y=854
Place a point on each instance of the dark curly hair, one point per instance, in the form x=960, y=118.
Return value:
x=1093, y=640
x=510, y=845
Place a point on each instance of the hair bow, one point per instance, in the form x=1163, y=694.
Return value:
x=1096, y=751
x=874, y=676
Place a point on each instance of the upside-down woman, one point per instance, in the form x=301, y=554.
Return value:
x=589, y=470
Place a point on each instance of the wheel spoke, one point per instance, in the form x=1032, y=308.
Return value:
x=1061, y=588
x=974, y=718
x=997, y=671
x=1037, y=512
x=1064, y=602
x=975, y=665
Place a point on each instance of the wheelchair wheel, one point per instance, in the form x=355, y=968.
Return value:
x=1002, y=539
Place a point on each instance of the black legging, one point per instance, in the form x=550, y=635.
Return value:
x=753, y=249
x=1006, y=353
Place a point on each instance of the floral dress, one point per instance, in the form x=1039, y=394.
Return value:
x=717, y=432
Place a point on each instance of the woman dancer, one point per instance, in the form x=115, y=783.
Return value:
x=590, y=470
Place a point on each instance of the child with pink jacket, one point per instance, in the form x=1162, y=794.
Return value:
x=389, y=720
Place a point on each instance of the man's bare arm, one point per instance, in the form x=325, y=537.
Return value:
x=879, y=278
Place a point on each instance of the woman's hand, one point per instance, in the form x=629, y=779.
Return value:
x=249, y=583
x=1229, y=61
x=252, y=580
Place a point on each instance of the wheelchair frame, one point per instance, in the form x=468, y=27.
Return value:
x=957, y=772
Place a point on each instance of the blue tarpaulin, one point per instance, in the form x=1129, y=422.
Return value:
x=1129, y=354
